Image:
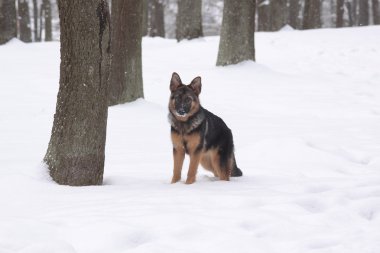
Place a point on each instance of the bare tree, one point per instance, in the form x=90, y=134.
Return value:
x=156, y=25
x=312, y=14
x=35, y=21
x=47, y=17
x=294, y=9
x=278, y=11
x=8, y=28
x=189, y=20
x=237, y=39
x=376, y=12
x=126, y=83
x=339, y=13
x=363, y=12
x=24, y=21
x=263, y=15
x=75, y=155
x=145, y=18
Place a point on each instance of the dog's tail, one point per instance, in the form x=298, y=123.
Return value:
x=236, y=172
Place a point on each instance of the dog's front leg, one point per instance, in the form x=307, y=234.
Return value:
x=178, y=157
x=194, y=162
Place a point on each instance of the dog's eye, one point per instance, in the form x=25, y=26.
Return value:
x=188, y=100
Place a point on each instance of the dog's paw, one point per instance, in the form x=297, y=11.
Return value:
x=175, y=180
x=190, y=180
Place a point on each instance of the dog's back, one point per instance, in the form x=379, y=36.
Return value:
x=218, y=138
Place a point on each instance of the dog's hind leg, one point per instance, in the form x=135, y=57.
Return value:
x=219, y=170
x=206, y=163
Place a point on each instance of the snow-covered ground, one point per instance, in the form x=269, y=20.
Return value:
x=306, y=124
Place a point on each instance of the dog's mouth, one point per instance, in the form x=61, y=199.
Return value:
x=181, y=114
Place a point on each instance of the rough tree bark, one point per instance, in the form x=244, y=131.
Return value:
x=189, y=20
x=363, y=12
x=376, y=12
x=24, y=21
x=238, y=32
x=126, y=82
x=339, y=13
x=312, y=14
x=75, y=155
x=8, y=28
x=156, y=23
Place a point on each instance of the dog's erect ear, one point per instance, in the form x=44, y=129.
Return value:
x=196, y=85
x=175, y=82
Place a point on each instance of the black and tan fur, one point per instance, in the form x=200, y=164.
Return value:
x=199, y=133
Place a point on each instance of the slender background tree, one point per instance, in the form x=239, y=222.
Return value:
x=363, y=13
x=8, y=28
x=376, y=12
x=312, y=14
x=339, y=13
x=35, y=21
x=278, y=14
x=75, y=155
x=24, y=21
x=263, y=15
x=145, y=18
x=294, y=9
x=156, y=24
x=46, y=7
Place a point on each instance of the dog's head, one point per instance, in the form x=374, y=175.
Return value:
x=184, y=99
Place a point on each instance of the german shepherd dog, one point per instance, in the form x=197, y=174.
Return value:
x=199, y=133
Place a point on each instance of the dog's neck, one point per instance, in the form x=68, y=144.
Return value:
x=192, y=123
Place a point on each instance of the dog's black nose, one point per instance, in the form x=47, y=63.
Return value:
x=181, y=111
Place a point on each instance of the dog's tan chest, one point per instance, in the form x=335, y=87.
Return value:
x=187, y=142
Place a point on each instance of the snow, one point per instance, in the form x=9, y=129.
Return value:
x=305, y=119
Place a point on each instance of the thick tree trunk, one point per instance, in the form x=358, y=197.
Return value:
x=75, y=155
x=47, y=16
x=8, y=24
x=278, y=11
x=238, y=31
x=126, y=82
x=294, y=9
x=24, y=21
x=189, y=20
x=35, y=21
x=156, y=19
x=264, y=16
x=376, y=12
x=312, y=14
x=363, y=12
x=339, y=13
